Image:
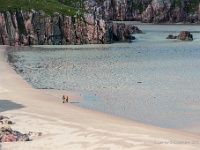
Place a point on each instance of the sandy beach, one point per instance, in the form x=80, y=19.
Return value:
x=65, y=126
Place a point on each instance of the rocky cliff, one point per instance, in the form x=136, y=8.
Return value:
x=172, y=11
x=156, y=11
x=23, y=28
x=29, y=28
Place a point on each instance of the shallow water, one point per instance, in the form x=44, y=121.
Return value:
x=152, y=80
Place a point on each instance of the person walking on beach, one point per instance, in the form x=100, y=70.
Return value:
x=63, y=98
x=67, y=99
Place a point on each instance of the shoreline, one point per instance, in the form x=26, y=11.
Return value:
x=165, y=23
x=69, y=126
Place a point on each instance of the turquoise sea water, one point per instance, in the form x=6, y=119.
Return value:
x=152, y=80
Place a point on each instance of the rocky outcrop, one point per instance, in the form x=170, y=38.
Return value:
x=29, y=28
x=123, y=32
x=9, y=135
x=183, y=35
x=156, y=11
x=24, y=28
x=119, y=10
x=171, y=11
x=4, y=120
x=171, y=36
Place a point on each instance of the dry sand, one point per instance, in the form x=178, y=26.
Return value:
x=65, y=126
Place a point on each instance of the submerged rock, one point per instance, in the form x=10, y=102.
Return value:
x=171, y=36
x=184, y=36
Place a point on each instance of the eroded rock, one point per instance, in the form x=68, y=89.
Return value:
x=62, y=30
x=183, y=35
x=9, y=135
x=171, y=36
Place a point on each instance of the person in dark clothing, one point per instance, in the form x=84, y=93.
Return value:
x=63, y=98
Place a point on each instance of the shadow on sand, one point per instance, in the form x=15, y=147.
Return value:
x=74, y=102
x=9, y=105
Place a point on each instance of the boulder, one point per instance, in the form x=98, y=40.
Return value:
x=8, y=138
x=3, y=117
x=4, y=120
x=9, y=135
x=185, y=36
x=123, y=32
x=171, y=36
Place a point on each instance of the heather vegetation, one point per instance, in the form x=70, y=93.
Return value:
x=44, y=7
